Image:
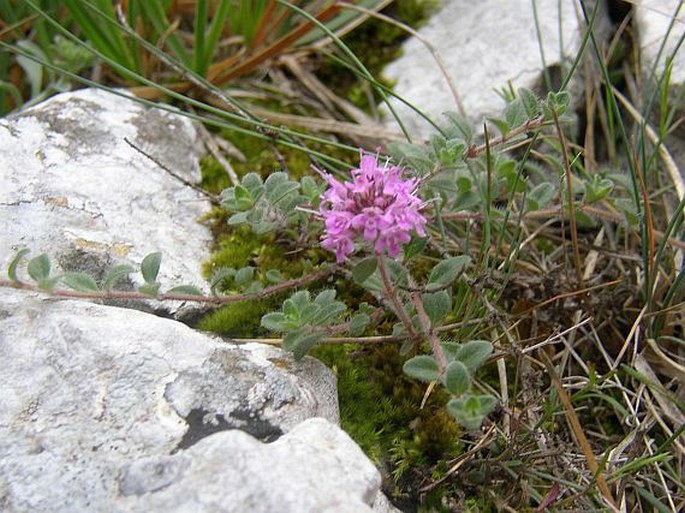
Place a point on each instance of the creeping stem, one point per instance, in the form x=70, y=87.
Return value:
x=424, y=320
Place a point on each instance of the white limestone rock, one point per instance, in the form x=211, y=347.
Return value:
x=109, y=409
x=485, y=45
x=653, y=18
x=71, y=186
x=315, y=468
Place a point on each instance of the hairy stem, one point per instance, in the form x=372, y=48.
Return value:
x=215, y=300
x=391, y=294
x=428, y=331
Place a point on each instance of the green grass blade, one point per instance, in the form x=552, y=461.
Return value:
x=156, y=15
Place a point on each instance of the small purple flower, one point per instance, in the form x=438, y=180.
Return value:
x=377, y=206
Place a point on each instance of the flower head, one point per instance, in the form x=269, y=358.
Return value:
x=377, y=206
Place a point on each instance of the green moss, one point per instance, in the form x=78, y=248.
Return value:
x=214, y=176
x=238, y=319
x=380, y=409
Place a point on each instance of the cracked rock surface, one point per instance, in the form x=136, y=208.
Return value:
x=71, y=186
x=110, y=409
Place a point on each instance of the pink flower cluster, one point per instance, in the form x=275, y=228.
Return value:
x=377, y=206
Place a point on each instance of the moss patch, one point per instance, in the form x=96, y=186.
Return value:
x=380, y=409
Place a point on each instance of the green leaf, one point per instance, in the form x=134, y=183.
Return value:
x=358, y=324
x=275, y=321
x=457, y=378
x=467, y=200
x=149, y=289
x=114, y=274
x=238, y=218
x=415, y=247
x=423, y=368
x=501, y=125
x=244, y=275
x=243, y=198
x=515, y=113
x=398, y=272
x=277, y=187
x=300, y=299
x=450, y=349
x=471, y=410
x=150, y=267
x=12, y=268
x=469, y=419
x=328, y=313
x=540, y=196
x=189, y=290
x=33, y=70
x=458, y=126
x=364, y=269
x=325, y=297
x=627, y=207
x=447, y=270
x=274, y=276
x=530, y=102
x=437, y=305
x=487, y=404
x=220, y=278
x=39, y=267
x=300, y=342
x=80, y=281
x=48, y=284
x=311, y=190
x=474, y=353
x=418, y=156
x=597, y=189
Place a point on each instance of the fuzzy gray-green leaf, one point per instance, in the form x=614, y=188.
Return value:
x=12, y=268
x=39, y=267
x=364, y=269
x=474, y=353
x=457, y=378
x=423, y=368
x=150, y=267
x=187, y=290
x=114, y=274
x=80, y=282
x=447, y=270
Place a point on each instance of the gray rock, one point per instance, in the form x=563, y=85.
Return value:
x=315, y=468
x=485, y=45
x=653, y=18
x=72, y=187
x=109, y=409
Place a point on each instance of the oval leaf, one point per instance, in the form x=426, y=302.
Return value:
x=446, y=271
x=423, y=368
x=274, y=321
x=149, y=289
x=358, y=324
x=114, y=274
x=438, y=305
x=364, y=269
x=457, y=378
x=39, y=267
x=150, y=267
x=474, y=353
x=80, y=281
x=467, y=417
x=189, y=290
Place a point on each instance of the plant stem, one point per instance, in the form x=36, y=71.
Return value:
x=424, y=320
x=215, y=300
x=428, y=331
x=391, y=294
